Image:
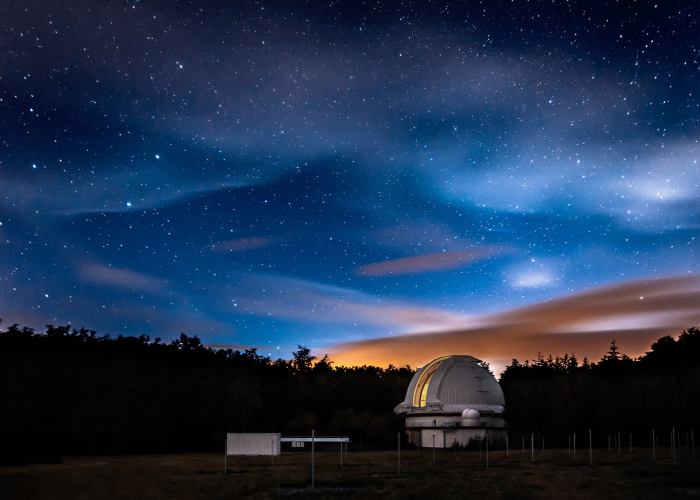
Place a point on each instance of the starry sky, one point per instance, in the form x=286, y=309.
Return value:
x=385, y=181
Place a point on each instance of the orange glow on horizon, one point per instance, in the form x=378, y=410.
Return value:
x=582, y=324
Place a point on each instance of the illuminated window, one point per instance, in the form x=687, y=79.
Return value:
x=424, y=391
x=420, y=394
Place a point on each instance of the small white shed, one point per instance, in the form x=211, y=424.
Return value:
x=253, y=443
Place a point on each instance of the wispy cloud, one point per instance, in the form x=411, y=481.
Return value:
x=313, y=302
x=110, y=189
x=440, y=261
x=101, y=274
x=636, y=313
x=641, y=187
x=535, y=273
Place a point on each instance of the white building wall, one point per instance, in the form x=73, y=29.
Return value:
x=461, y=436
x=450, y=421
x=427, y=436
x=433, y=420
x=265, y=443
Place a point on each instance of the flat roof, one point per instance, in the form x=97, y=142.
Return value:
x=315, y=439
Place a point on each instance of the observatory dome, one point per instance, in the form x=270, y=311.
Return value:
x=470, y=413
x=452, y=384
x=454, y=401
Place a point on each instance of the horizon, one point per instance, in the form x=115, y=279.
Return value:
x=383, y=184
x=497, y=369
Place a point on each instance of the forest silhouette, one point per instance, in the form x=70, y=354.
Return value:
x=70, y=391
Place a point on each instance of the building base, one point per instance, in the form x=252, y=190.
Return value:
x=457, y=437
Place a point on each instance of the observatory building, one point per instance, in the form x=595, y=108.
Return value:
x=454, y=401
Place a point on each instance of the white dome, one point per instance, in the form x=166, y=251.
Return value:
x=452, y=384
x=471, y=413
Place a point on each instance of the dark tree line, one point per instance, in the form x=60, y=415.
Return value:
x=70, y=391
x=559, y=395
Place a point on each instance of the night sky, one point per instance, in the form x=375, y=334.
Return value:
x=516, y=176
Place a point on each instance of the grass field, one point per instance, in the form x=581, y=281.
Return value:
x=555, y=474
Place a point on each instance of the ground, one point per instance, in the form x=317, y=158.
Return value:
x=554, y=474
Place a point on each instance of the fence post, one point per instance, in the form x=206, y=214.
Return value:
x=532, y=447
x=590, y=446
x=313, y=451
x=673, y=444
x=506, y=443
x=398, y=453
x=574, y=445
x=487, y=449
x=433, y=448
